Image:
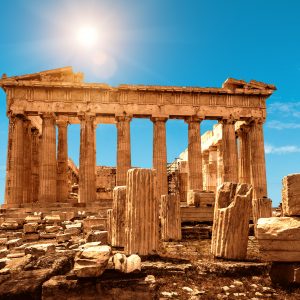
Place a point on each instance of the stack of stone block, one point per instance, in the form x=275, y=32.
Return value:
x=279, y=237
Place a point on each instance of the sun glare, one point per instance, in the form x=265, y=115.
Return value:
x=87, y=36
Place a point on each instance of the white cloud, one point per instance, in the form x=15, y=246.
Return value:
x=281, y=125
x=270, y=149
x=287, y=108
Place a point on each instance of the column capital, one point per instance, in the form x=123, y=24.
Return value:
x=256, y=121
x=159, y=119
x=230, y=120
x=47, y=115
x=245, y=128
x=86, y=117
x=124, y=118
x=193, y=119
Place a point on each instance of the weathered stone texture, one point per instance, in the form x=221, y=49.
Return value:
x=141, y=221
x=170, y=217
x=117, y=232
x=261, y=208
x=231, y=219
x=279, y=238
x=291, y=195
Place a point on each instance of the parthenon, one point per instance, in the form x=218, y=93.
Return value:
x=39, y=103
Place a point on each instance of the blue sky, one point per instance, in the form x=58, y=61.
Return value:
x=185, y=43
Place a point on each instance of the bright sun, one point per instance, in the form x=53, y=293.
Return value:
x=87, y=36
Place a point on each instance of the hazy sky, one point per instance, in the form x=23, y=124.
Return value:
x=185, y=43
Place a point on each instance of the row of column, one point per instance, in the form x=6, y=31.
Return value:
x=36, y=171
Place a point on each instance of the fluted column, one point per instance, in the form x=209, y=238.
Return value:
x=220, y=165
x=244, y=154
x=48, y=172
x=230, y=157
x=205, y=169
x=35, y=164
x=195, y=181
x=27, y=195
x=8, y=163
x=15, y=194
x=123, y=148
x=62, y=161
x=87, y=161
x=160, y=155
x=258, y=164
x=212, y=166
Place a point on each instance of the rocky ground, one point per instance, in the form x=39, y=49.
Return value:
x=47, y=258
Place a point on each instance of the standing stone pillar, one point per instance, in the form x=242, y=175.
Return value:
x=141, y=220
x=194, y=154
x=35, y=146
x=220, y=165
x=27, y=195
x=205, y=169
x=48, y=172
x=15, y=194
x=258, y=164
x=123, y=148
x=160, y=155
x=212, y=168
x=8, y=162
x=118, y=217
x=87, y=161
x=62, y=161
x=244, y=154
x=230, y=157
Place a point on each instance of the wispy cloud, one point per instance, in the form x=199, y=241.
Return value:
x=282, y=125
x=270, y=149
x=287, y=108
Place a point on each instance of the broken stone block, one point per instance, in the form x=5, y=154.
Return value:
x=3, y=262
x=10, y=225
x=119, y=261
x=45, y=235
x=193, y=198
x=231, y=221
x=14, y=243
x=30, y=227
x=94, y=223
x=279, y=238
x=64, y=237
x=52, y=219
x=34, y=236
x=53, y=229
x=33, y=219
x=91, y=262
x=40, y=249
x=3, y=241
x=261, y=208
x=291, y=195
x=73, y=229
x=97, y=236
x=133, y=263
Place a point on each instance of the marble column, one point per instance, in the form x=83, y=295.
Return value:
x=195, y=181
x=8, y=162
x=258, y=164
x=123, y=149
x=27, y=195
x=205, y=169
x=244, y=154
x=212, y=166
x=220, y=165
x=15, y=194
x=87, y=160
x=48, y=166
x=62, y=161
x=230, y=156
x=35, y=146
x=160, y=154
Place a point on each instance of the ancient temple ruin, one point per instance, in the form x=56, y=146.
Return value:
x=37, y=104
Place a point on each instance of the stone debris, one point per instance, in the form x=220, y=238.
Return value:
x=291, y=195
x=92, y=261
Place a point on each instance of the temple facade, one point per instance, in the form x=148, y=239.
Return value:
x=41, y=104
